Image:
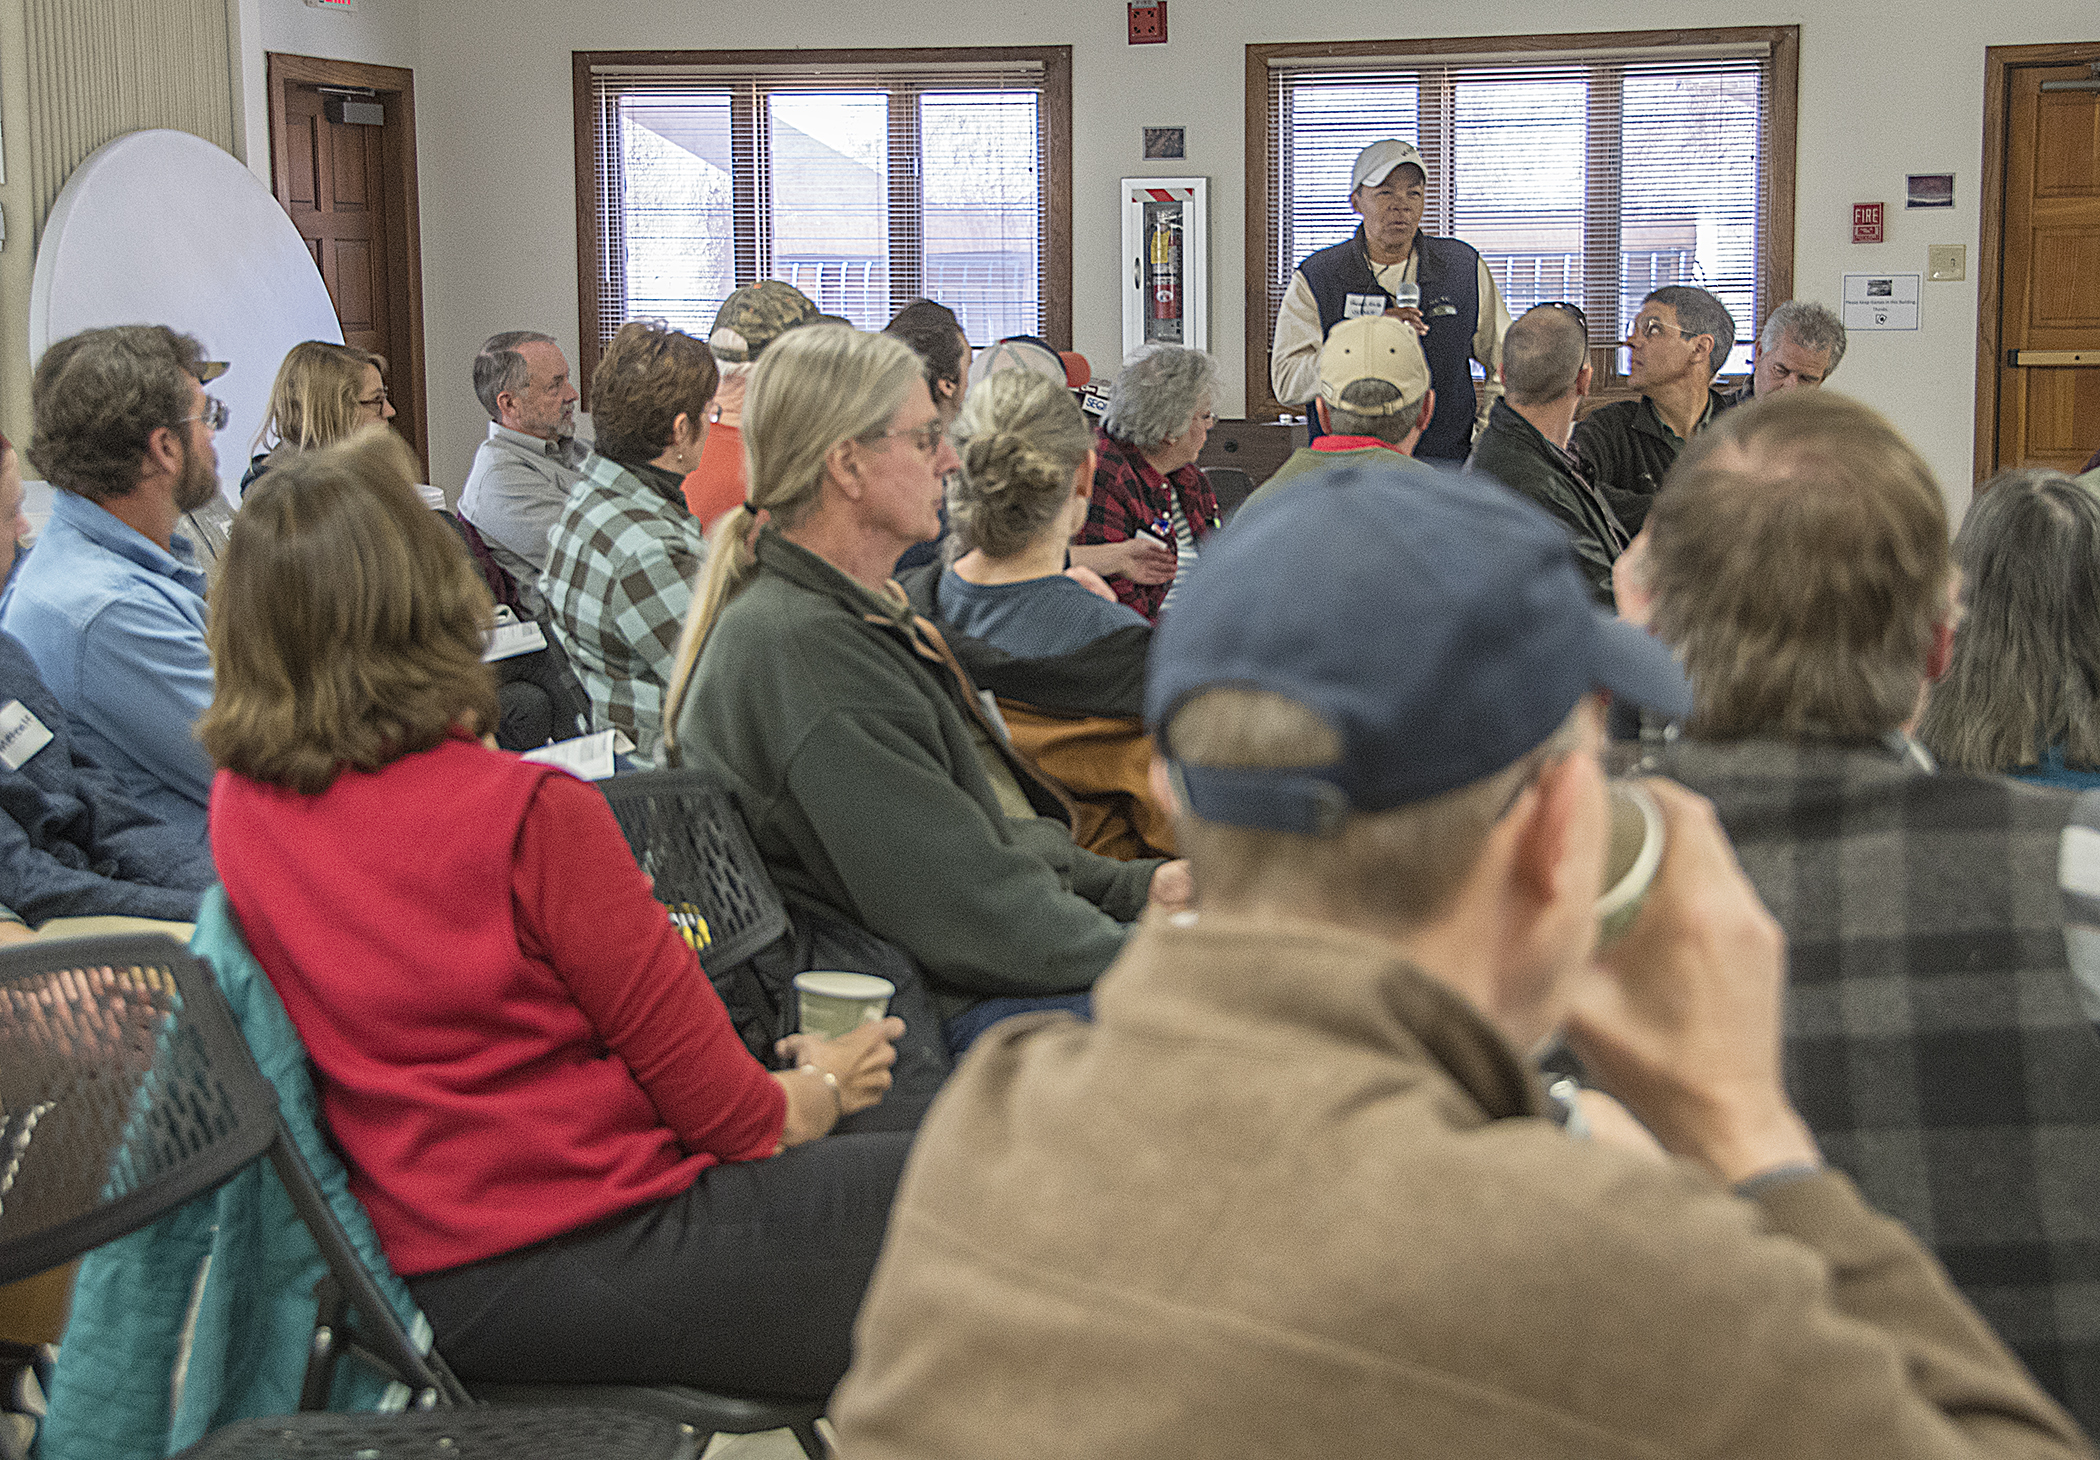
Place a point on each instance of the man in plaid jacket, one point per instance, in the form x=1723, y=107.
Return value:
x=1798, y=562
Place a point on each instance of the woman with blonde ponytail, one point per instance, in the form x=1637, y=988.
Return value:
x=1064, y=658
x=879, y=791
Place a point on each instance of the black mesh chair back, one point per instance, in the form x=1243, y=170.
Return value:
x=126, y=1090
x=477, y=1433
x=686, y=833
x=122, y=1095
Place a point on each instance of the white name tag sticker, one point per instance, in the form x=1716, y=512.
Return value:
x=1356, y=306
x=507, y=641
x=22, y=735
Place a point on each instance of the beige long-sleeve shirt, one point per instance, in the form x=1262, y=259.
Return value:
x=1294, y=355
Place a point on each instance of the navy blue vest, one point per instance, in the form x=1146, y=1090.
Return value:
x=1449, y=274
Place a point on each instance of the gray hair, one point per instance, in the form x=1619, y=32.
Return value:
x=2025, y=676
x=1699, y=313
x=1808, y=325
x=499, y=367
x=1373, y=396
x=1156, y=394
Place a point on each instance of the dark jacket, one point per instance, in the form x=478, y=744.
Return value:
x=852, y=751
x=1934, y=1040
x=1627, y=451
x=1080, y=717
x=72, y=844
x=1514, y=453
x=1448, y=273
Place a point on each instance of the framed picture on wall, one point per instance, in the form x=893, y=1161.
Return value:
x=1166, y=249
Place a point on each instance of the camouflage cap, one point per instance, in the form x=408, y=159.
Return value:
x=755, y=316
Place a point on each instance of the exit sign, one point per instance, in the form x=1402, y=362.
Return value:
x=1866, y=223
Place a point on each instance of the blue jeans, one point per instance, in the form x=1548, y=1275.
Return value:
x=963, y=1029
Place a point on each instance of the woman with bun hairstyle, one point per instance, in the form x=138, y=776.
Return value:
x=1066, y=660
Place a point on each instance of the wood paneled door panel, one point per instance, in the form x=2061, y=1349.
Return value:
x=350, y=190
x=2038, y=376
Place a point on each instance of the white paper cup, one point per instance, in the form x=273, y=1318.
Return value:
x=1635, y=852
x=834, y=1003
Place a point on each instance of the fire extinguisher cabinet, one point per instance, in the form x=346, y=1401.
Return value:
x=1166, y=280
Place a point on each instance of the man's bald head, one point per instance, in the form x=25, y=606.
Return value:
x=1542, y=354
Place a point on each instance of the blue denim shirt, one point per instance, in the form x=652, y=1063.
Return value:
x=116, y=627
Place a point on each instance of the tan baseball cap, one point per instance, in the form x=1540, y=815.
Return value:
x=1380, y=158
x=1373, y=347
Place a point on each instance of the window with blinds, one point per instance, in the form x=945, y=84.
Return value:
x=1585, y=169
x=865, y=179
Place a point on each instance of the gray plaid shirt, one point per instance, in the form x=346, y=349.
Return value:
x=620, y=565
x=1934, y=1039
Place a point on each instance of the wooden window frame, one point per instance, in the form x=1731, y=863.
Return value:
x=1055, y=120
x=1776, y=168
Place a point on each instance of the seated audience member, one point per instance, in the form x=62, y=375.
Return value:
x=1374, y=400
x=623, y=554
x=479, y=970
x=749, y=320
x=1067, y=665
x=1799, y=566
x=1028, y=352
x=1299, y=1191
x=1545, y=375
x=111, y=604
x=877, y=788
x=933, y=331
x=322, y=393
x=72, y=843
x=523, y=473
x=1798, y=349
x=2021, y=695
x=1152, y=503
x=1680, y=338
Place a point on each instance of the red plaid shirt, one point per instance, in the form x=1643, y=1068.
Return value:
x=1129, y=497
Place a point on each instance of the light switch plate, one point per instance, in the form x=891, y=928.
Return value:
x=1945, y=262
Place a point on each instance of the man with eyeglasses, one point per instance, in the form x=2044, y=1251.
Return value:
x=1440, y=285
x=1679, y=339
x=1545, y=375
x=110, y=604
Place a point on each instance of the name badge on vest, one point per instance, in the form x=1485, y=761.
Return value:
x=1356, y=306
x=22, y=735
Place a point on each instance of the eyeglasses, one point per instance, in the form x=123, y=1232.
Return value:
x=377, y=402
x=1653, y=329
x=926, y=438
x=1205, y=419
x=214, y=414
x=1574, y=309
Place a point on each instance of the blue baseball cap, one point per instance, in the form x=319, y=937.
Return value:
x=1436, y=622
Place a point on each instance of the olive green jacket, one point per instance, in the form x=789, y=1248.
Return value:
x=852, y=750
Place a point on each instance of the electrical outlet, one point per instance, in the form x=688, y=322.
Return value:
x=1945, y=262
x=1148, y=24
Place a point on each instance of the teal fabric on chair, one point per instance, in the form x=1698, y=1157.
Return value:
x=255, y=1316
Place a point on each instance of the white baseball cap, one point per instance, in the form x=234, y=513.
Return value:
x=1380, y=158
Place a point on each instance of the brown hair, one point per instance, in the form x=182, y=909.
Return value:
x=313, y=401
x=347, y=623
x=1021, y=437
x=1799, y=560
x=648, y=376
x=1405, y=865
x=97, y=399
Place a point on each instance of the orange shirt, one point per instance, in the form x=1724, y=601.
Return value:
x=717, y=483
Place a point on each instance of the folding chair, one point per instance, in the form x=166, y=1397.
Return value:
x=126, y=1091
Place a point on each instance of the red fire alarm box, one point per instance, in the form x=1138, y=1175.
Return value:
x=1866, y=223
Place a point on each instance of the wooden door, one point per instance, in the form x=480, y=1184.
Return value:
x=349, y=189
x=2047, y=361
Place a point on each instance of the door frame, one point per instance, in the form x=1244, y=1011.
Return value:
x=1999, y=62
x=396, y=88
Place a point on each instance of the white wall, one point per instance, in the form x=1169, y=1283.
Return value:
x=1886, y=89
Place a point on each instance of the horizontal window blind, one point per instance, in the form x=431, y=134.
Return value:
x=1588, y=178
x=864, y=185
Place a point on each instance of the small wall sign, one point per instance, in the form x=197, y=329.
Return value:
x=1866, y=223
